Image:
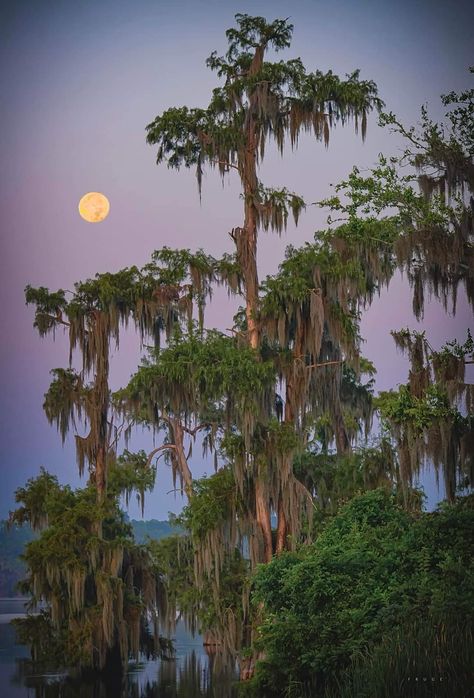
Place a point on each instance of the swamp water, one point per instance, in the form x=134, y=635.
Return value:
x=188, y=675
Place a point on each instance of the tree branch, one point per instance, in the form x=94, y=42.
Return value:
x=193, y=432
x=230, y=329
x=157, y=450
x=57, y=318
x=225, y=163
x=325, y=363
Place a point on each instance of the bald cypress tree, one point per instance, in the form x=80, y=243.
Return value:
x=259, y=101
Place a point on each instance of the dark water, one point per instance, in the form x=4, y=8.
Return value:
x=191, y=674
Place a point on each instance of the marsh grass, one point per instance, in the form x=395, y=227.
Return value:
x=419, y=660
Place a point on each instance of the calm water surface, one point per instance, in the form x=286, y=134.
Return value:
x=189, y=675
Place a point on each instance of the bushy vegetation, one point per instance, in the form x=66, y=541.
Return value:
x=384, y=599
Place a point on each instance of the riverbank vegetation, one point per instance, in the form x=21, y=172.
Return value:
x=381, y=604
x=285, y=565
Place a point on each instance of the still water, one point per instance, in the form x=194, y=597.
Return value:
x=189, y=675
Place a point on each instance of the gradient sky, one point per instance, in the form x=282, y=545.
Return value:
x=79, y=82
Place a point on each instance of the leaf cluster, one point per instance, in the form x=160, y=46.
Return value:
x=194, y=371
x=209, y=506
x=401, y=406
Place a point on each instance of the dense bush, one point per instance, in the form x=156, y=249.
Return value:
x=383, y=600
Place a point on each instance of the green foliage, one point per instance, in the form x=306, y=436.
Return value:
x=304, y=295
x=15, y=537
x=275, y=206
x=333, y=479
x=65, y=400
x=400, y=406
x=131, y=472
x=153, y=297
x=38, y=500
x=281, y=98
x=209, y=506
x=173, y=556
x=281, y=438
x=456, y=350
x=374, y=575
x=256, y=31
x=426, y=209
x=384, y=190
x=195, y=371
x=420, y=659
x=201, y=608
x=426, y=417
x=98, y=587
x=222, y=616
x=461, y=116
x=336, y=609
x=49, y=307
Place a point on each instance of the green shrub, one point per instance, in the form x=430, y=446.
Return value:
x=382, y=597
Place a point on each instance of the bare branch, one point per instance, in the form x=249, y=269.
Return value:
x=325, y=363
x=225, y=164
x=157, y=450
x=193, y=432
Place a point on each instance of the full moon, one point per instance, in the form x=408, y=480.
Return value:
x=94, y=207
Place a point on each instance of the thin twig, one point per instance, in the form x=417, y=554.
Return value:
x=56, y=318
x=325, y=363
x=225, y=163
x=229, y=329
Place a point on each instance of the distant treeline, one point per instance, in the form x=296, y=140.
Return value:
x=152, y=529
x=13, y=541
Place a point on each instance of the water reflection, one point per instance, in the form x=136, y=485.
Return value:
x=191, y=676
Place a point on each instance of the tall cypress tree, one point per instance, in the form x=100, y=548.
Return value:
x=260, y=101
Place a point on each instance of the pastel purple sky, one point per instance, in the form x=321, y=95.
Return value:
x=79, y=82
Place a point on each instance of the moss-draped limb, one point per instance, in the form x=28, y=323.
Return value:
x=426, y=417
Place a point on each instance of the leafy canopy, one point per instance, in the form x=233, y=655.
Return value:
x=258, y=101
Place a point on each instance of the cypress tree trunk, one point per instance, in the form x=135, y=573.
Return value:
x=248, y=247
x=342, y=442
x=185, y=472
x=99, y=421
x=248, y=261
x=282, y=528
x=250, y=271
x=262, y=510
x=247, y=256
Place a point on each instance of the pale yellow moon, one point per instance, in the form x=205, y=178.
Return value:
x=94, y=207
